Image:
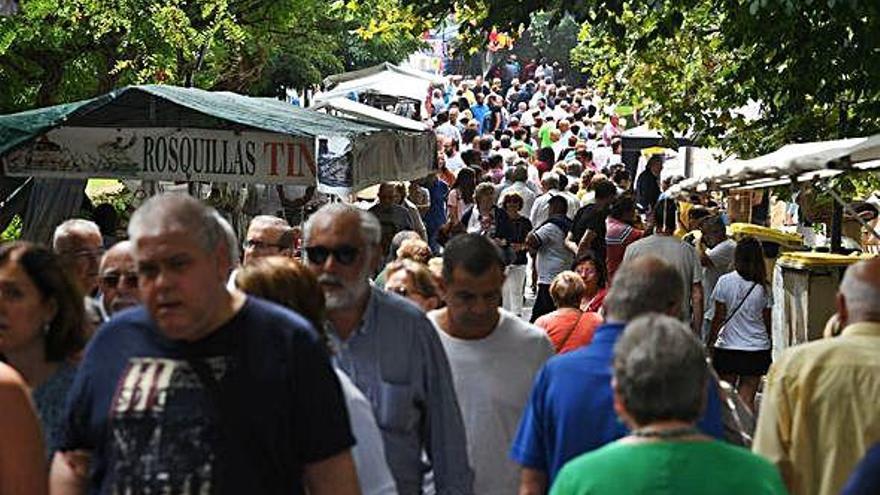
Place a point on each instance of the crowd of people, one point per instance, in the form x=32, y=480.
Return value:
x=389, y=349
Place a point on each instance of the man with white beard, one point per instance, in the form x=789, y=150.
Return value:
x=391, y=351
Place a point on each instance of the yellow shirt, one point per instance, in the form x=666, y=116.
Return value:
x=821, y=410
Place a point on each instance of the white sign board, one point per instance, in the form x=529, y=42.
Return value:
x=169, y=154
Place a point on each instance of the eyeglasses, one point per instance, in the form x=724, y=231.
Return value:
x=345, y=254
x=259, y=245
x=84, y=253
x=112, y=279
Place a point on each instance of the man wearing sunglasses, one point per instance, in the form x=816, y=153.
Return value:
x=391, y=351
x=118, y=279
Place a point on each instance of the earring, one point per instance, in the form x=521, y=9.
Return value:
x=46, y=327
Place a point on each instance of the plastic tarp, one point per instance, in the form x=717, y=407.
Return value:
x=801, y=161
x=374, y=116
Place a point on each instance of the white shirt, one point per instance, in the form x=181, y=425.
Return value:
x=493, y=378
x=541, y=206
x=722, y=262
x=553, y=257
x=455, y=163
x=680, y=255
x=448, y=130
x=374, y=477
x=745, y=331
x=525, y=192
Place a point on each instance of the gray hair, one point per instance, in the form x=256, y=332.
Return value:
x=644, y=285
x=550, y=180
x=178, y=213
x=371, y=230
x=230, y=238
x=660, y=370
x=268, y=221
x=72, y=227
x=862, y=297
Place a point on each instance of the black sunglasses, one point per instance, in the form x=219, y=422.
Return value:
x=112, y=280
x=344, y=255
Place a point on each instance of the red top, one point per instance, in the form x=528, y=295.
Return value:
x=569, y=328
x=618, y=235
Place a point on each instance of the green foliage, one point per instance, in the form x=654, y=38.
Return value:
x=813, y=65
x=64, y=50
x=13, y=230
x=548, y=38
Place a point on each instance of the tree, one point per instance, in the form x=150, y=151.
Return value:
x=63, y=50
x=812, y=65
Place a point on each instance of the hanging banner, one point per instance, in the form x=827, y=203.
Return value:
x=346, y=166
x=168, y=154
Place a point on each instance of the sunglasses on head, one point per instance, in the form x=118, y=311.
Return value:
x=344, y=255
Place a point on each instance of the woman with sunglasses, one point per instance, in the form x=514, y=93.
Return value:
x=289, y=283
x=41, y=328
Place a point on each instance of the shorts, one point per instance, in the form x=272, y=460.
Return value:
x=743, y=363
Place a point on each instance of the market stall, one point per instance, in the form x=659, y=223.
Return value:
x=382, y=86
x=167, y=133
x=804, y=283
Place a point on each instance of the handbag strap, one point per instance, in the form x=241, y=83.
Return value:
x=730, y=315
x=571, y=332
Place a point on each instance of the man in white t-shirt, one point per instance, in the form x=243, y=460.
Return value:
x=716, y=255
x=664, y=245
x=494, y=357
x=552, y=255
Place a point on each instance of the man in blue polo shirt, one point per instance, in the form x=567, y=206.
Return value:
x=571, y=409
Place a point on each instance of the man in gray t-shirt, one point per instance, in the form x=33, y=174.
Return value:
x=552, y=255
x=679, y=254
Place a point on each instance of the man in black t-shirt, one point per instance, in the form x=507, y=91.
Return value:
x=588, y=228
x=201, y=389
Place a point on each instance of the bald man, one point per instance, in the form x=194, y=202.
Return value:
x=118, y=279
x=821, y=412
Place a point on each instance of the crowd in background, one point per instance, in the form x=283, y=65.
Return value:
x=533, y=317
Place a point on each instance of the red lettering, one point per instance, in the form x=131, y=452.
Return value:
x=306, y=153
x=292, y=169
x=273, y=168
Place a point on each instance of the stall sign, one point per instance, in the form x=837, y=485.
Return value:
x=169, y=154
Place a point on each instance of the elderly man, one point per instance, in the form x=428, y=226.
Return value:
x=80, y=245
x=820, y=412
x=202, y=389
x=519, y=178
x=571, y=409
x=476, y=332
x=664, y=245
x=267, y=235
x=393, y=218
x=391, y=351
x=118, y=279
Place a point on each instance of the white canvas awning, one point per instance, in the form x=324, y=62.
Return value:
x=386, y=79
x=347, y=108
x=799, y=162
